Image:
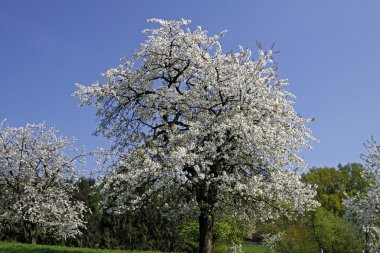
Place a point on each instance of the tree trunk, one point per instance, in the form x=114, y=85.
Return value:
x=205, y=232
x=366, y=247
x=31, y=234
x=206, y=198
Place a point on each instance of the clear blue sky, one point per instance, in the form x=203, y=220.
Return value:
x=329, y=51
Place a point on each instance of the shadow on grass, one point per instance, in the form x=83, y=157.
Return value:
x=37, y=250
x=14, y=247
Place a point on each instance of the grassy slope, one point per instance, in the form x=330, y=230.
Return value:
x=13, y=247
x=249, y=248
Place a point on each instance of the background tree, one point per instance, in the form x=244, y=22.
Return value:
x=356, y=184
x=218, y=127
x=296, y=237
x=150, y=226
x=318, y=231
x=333, y=185
x=363, y=208
x=325, y=228
x=37, y=177
x=334, y=234
x=90, y=196
x=364, y=211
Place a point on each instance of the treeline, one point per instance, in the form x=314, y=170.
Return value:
x=327, y=228
x=142, y=229
x=148, y=228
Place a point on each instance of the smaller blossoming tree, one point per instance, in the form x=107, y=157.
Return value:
x=37, y=177
x=364, y=209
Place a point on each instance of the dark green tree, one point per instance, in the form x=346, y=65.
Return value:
x=334, y=184
x=333, y=234
x=331, y=187
x=356, y=183
x=325, y=228
x=90, y=195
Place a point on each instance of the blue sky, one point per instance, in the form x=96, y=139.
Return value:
x=329, y=51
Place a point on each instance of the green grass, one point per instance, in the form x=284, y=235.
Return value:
x=250, y=248
x=13, y=247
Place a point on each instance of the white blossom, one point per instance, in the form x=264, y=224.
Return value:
x=218, y=127
x=271, y=240
x=37, y=179
x=364, y=209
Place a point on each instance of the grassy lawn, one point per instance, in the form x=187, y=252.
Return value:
x=250, y=248
x=13, y=247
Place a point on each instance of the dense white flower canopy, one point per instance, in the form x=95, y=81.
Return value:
x=219, y=126
x=37, y=177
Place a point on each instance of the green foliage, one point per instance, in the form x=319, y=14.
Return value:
x=334, y=234
x=321, y=229
x=331, y=187
x=190, y=235
x=356, y=184
x=297, y=238
x=146, y=228
x=226, y=232
x=333, y=184
x=324, y=228
x=90, y=195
